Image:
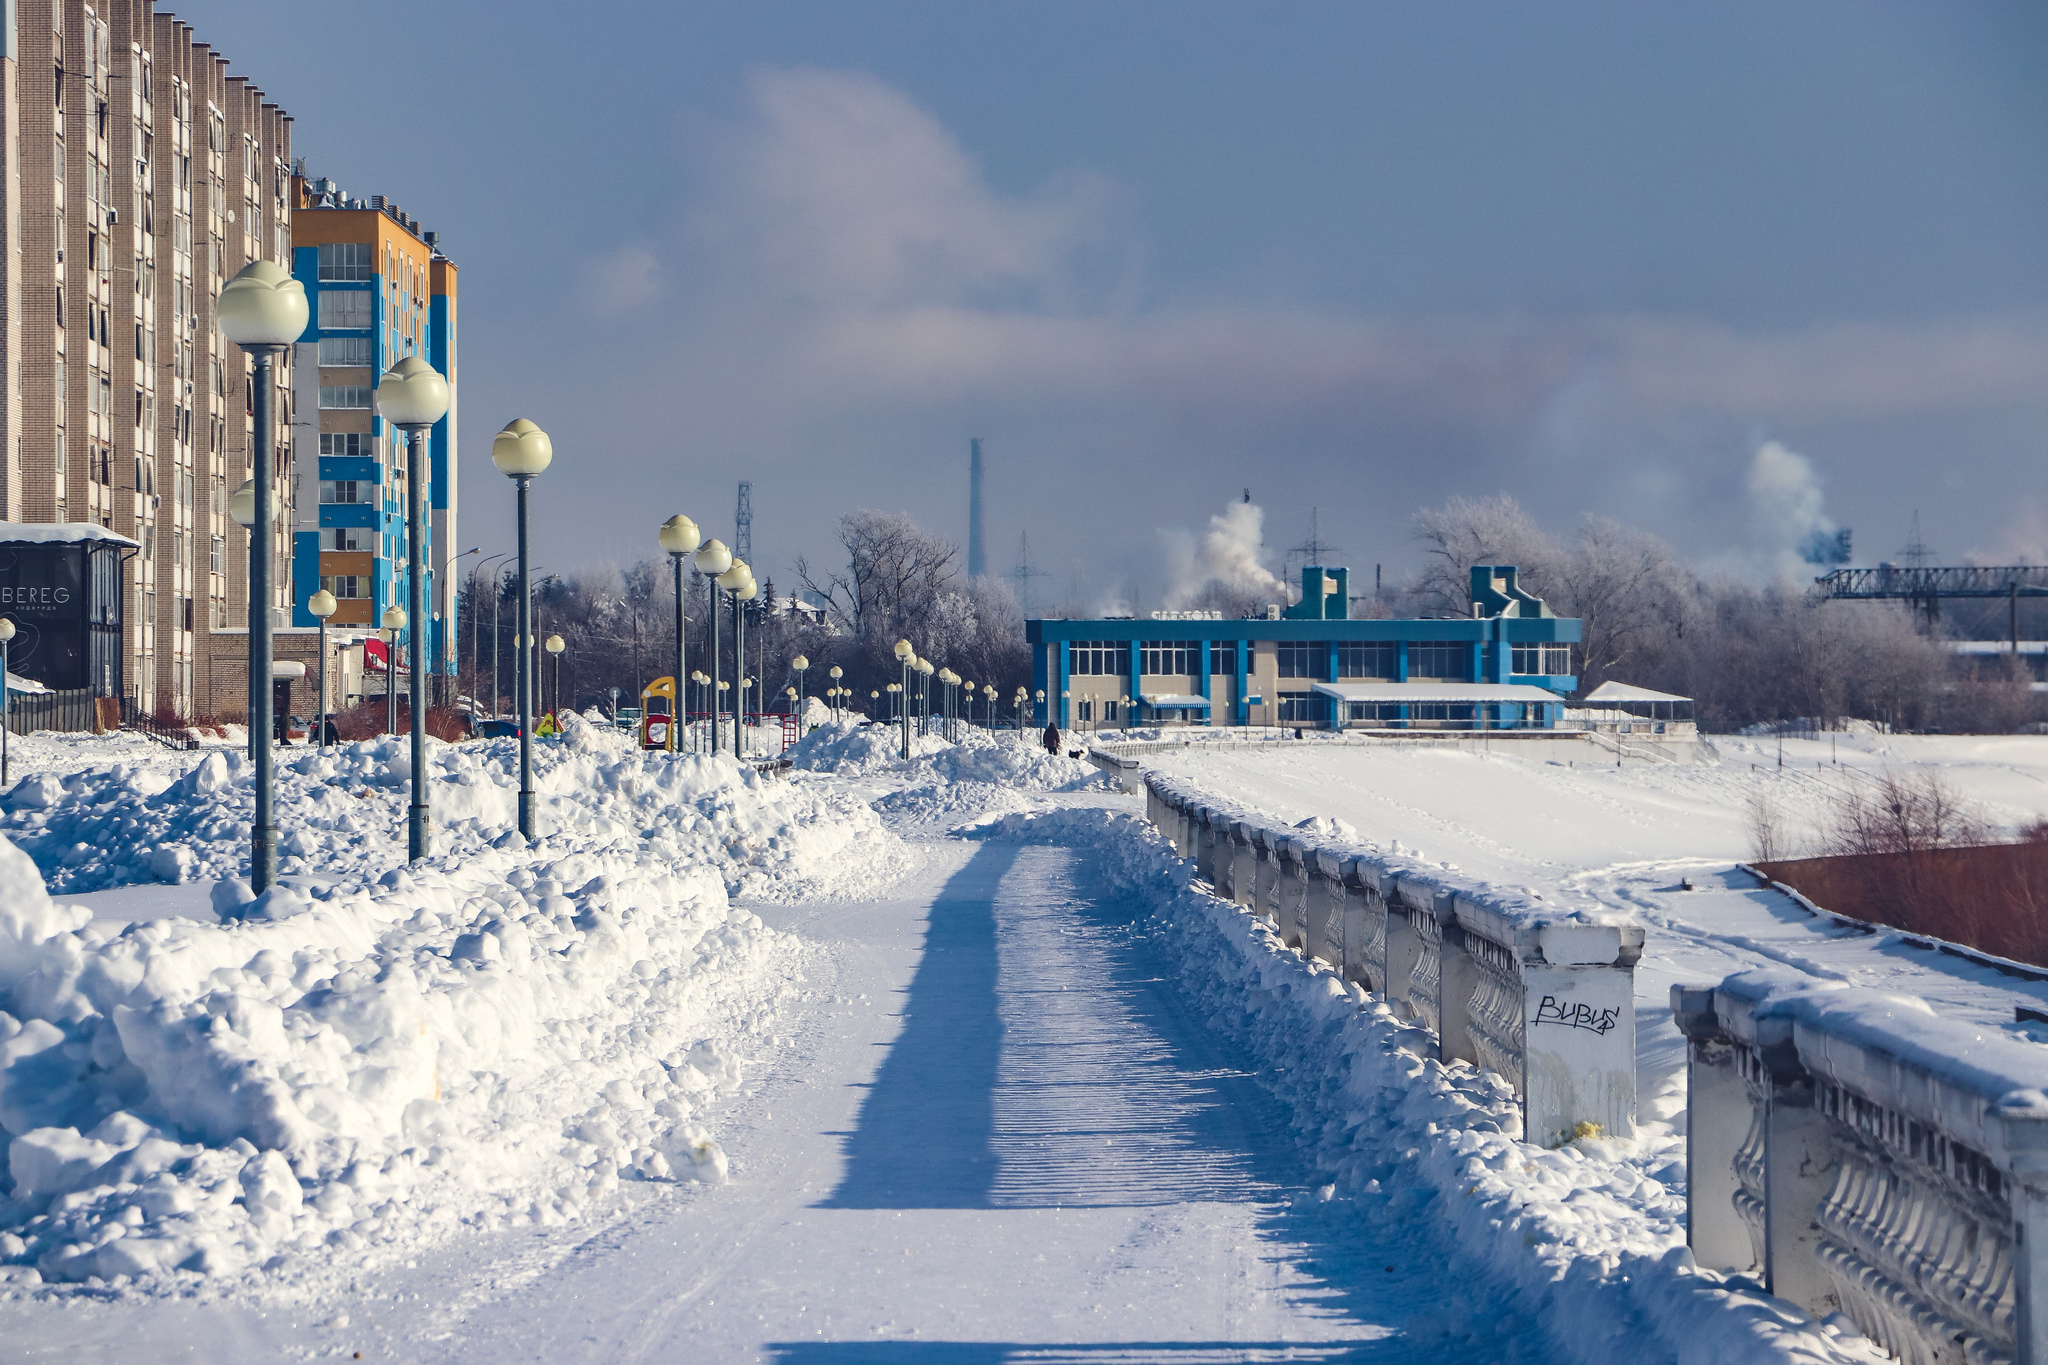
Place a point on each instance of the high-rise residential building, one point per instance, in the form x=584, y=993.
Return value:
x=381, y=290
x=138, y=175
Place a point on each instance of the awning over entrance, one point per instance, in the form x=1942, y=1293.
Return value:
x=1170, y=701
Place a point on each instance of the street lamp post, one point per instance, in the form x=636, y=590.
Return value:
x=738, y=582
x=322, y=605
x=679, y=536
x=6, y=635
x=394, y=621
x=714, y=561
x=555, y=647
x=904, y=656
x=837, y=691
x=412, y=396
x=799, y=664
x=262, y=310
x=521, y=451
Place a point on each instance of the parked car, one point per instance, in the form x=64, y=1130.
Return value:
x=497, y=729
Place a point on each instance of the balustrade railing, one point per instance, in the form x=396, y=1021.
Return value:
x=1863, y=1155
x=1540, y=992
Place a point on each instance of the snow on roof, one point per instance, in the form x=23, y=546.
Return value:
x=58, y=533
x=1614, y=691
x=1169, y=701
x=26, y=686
x=1457, y=692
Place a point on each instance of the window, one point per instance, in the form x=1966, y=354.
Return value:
x=348, y=538
x=1084, y=709
x=1365, y=659
x=344, y=309
x=343, y=491
x=220, y=554
x=1172, y=657
x=1300, y=708
x=1447, y=660
x=345, y=351
x=1545, y=659
x=345, y=396
x=1099, y=658
x=348, y=443
x=1303, y=658
x=345, y=262
x=1109, y=710
x=1223, y=656
x=346, y=586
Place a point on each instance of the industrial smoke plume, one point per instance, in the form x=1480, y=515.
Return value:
x=1226, y=556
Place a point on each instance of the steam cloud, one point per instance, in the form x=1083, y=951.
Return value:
x=1788, y=511
x=1225, y=556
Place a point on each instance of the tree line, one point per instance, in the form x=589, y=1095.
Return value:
x=1747, y=653
x=891, y=580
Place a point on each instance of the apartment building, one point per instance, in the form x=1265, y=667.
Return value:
x=380, y=290
x=138, y=176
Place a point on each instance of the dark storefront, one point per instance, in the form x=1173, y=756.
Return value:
x=61, y=586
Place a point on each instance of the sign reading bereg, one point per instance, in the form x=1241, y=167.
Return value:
x=61, y=586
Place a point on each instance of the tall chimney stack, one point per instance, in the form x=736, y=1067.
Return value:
x=977, y=562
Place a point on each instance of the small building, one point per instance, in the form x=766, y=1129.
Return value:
x=1507, y=666
x=60, y=584
x=1624, y=709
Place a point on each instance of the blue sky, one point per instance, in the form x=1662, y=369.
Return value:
x=1357, y=257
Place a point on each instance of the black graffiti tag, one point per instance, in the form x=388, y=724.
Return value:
x=1574, y=1015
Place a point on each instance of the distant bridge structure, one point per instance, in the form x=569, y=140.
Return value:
x=1925, y=586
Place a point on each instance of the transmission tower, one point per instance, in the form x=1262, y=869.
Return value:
x=1022, y=575
x=1916, y=554
x=1315, y=547
x=743, y=524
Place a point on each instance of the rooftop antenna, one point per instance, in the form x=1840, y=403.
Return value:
x=1022, y=575
x=1315, y=547
x=977, y=561
x=1916, y=552
x=743, y=524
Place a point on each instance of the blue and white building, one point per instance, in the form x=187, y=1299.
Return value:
x=1507, y=666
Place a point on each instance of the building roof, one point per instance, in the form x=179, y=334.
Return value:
x=59, y=533
x=1614, y=691
x=1434, y=692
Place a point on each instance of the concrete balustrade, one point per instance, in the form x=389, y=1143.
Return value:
x=1866, y=1156
x=1541, y=993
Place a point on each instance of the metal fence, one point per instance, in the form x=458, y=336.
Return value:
x=70, y=709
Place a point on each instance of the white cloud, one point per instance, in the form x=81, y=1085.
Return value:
x=853, y=299
x=843, y=194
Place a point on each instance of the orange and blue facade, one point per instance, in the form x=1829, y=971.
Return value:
x=380, y=290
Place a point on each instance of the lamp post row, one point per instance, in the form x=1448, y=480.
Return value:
x=263, y=309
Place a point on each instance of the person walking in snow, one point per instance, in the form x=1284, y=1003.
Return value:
x=1052, y=738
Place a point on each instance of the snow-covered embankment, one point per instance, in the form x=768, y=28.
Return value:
x=499, y=1034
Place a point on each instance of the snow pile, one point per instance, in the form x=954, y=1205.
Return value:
x=342, y=811
x=1588, y=1238
x=497, y=1036
x=855, y=748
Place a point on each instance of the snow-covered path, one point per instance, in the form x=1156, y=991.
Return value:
x=1041, y=1158
x=991, y=1134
